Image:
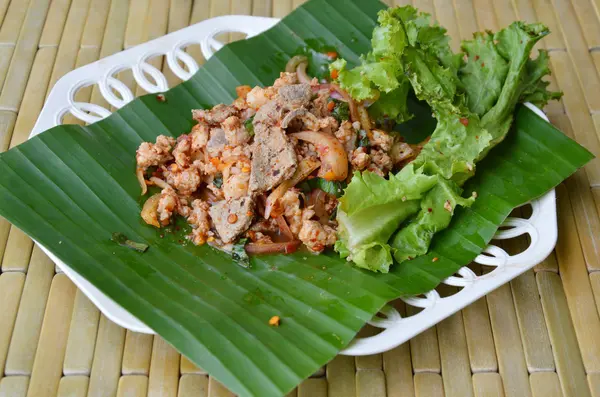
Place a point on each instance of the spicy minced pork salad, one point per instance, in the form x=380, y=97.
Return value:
x=320, y=163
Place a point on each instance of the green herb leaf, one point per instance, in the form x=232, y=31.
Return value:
x=239, y=254
x=341, y=110
x=123, y=241
x=218, y=181
x=249, y=126
x=363, y=139
x=335, y=188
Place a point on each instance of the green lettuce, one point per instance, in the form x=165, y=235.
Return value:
x=473, y=101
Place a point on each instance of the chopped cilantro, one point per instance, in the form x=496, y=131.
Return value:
x=239, y=254
x=249, y=126
x=123, y=241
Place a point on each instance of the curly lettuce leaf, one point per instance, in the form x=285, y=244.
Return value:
x=369, y=197
x=436, y=211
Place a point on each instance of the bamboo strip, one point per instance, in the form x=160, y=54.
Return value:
x=454, y=356
x=164, y=369
x=13, y=22
x=136, y=20
x=6, y=52
x=17, y=252
x=24, y=53
x=586, y=215
x=116, y=24
x=467, y=21
x=33, y=99
x=73, y=386
x=3, y=8
x=370, y=383
x=70, y=40
x=188, y=367
x=578, y=51
x=505, y=13
x=446, y=16
x=55, y=23
x=216, y=389
x=595, y=193
x=4, y=230
x=95, y=23
x=312, y=387
x=486, y=16
x=293, y=393
x=193, y=386
x=281, y=8
x=478, y=333
x=428, y=385
x=398, y=372
x=594, y=384
x=588, y=21
x=82, y=337
x=545, y=14
x=14, y=386
x=133, y=386
x=424, y=349
x=488, y=385
x=137, y=353
x=7, y=124
x=373, y=361
x=545, y=384
x=262, y=8
x=30, y=315
x=425, y=6
x=577, y=111
x=577, y=285
x=240, y=7
x=549, y=264
x=511, y=357
x=595, y=282
x=341, y=377
x=569, y=364
x=536, y=342
x=108, y=354
x=11, y=286
x=179, y=17
x=50, y=353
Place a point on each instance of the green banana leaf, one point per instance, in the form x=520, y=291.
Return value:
x=71, y=187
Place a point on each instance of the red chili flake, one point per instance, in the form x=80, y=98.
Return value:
x=476, y=57
x=477, y=137
x=482, y=64
x=430, y=209
x=464, y=121
x=177, y=228
x=435, y=259
x=334, y=74
x=161, y=98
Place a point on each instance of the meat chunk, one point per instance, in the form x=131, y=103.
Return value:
x=259, y=96
x=285, y=78
x=182, y=150
x=295, y=95
x=381, y=139
x=268, y=114
x=149, y=154
x=273, y=160
x=200, y=222
x=232, y=217
x=235, y=132
x=236, y=185
x=317, y=236
x=185, y=180
x=347, y=136
x=199, y=135
x=217, y=142
x=295, y=216
x=381, y=162
x=216, y=115
x=167, y=205
x=360, y=159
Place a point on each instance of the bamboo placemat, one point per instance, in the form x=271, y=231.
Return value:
x=538, y=336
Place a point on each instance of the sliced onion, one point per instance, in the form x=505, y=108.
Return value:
x=365, y=121
x=273, y=248
x=294, y=62
x=284, y=228
x=150, y=210
x=334, y=160
x=317, y=199
x=337, y=95
x=139, y=173
x=301, y=72
x=159, y=182
x=305, y=168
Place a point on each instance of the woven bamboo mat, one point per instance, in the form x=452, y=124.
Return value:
x=538, y=336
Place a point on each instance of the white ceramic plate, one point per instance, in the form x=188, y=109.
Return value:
x=541, y=226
